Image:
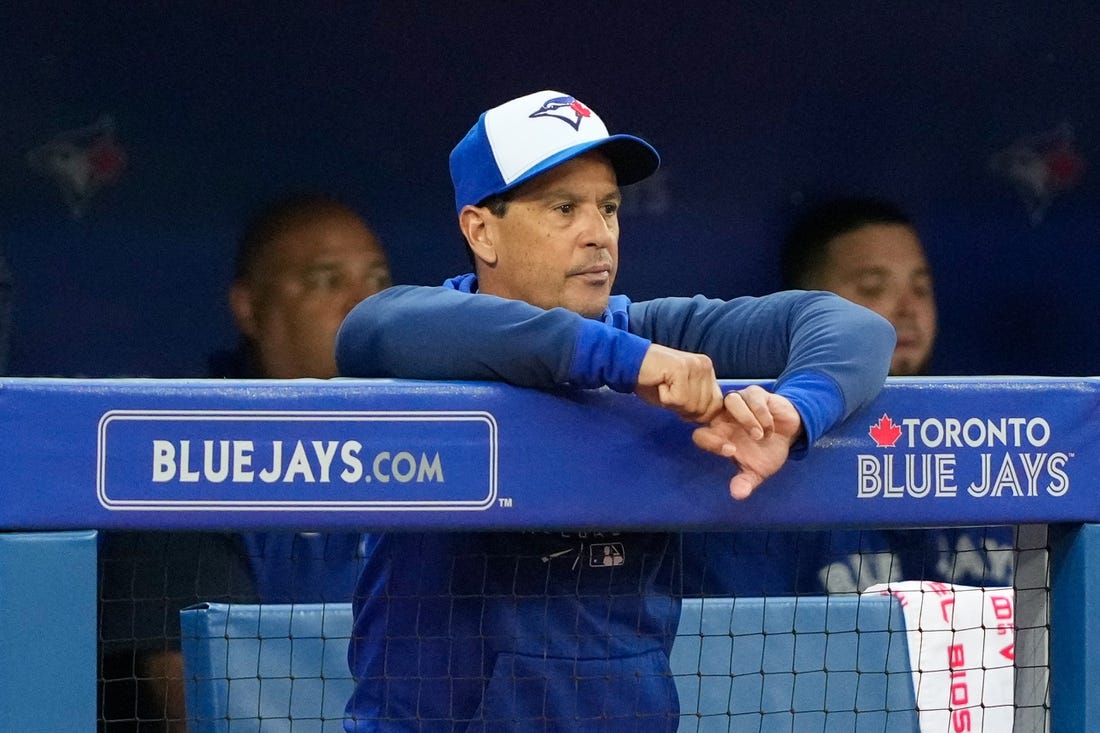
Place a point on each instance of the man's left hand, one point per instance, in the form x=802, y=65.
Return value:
x=755, y=431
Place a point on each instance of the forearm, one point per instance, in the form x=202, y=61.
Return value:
x=835, y=342
x=827, y=355
x=439, y=333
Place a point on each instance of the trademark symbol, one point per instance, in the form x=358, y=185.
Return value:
x=505, y=502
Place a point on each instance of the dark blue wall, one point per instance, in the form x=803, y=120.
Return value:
x=756, y=108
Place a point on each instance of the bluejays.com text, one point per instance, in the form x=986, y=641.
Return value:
x=313, y=461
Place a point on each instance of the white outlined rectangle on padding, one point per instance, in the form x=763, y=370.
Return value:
x=399, y=460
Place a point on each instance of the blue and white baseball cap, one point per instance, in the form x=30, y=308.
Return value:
x=520, y=139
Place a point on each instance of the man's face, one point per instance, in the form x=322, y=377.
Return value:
x=558, y=242
x=883, y=267
x=304, y=285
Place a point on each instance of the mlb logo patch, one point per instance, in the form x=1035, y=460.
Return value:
x=606, y=555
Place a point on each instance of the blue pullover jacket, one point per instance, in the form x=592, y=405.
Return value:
x=545, y=631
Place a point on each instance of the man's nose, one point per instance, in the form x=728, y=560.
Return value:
x=597, y=229
x=906, y=302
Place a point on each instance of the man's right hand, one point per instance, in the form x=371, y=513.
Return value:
x=680, y=381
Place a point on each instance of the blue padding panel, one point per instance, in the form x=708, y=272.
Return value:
x=794, y=664
x=48, y=631
x=807, y=664
x=266, y=668
x=1075, y=629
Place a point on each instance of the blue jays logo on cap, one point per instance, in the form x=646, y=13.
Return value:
x=567, y=109
x=511, y=144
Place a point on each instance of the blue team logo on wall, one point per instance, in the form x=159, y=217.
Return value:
x=379, y=460
x=567, y=109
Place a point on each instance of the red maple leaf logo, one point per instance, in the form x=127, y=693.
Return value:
x=885, y=432
x=580, y=109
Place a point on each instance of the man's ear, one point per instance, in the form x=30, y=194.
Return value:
x=244, y=314
x=477, y=226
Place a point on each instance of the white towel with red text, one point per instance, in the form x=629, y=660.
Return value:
x=960, y=642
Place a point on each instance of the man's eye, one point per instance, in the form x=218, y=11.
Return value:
x=565, y=208
x=379, y=280
x=922, y=288
x=870, y=288
x=323, y=280
x=610, y=209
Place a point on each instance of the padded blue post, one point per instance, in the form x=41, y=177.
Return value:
x=48, y=631
x=807, y=663
x=1075, y=629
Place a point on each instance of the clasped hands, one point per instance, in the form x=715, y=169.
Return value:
x=752, y=427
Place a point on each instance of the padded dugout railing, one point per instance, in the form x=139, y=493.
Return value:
x=373, y=454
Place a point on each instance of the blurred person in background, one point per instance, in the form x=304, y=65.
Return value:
x=302, y=262
x=868, y=251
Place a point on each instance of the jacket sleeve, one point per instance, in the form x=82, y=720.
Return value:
x=828, y=356
x=411, y=332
